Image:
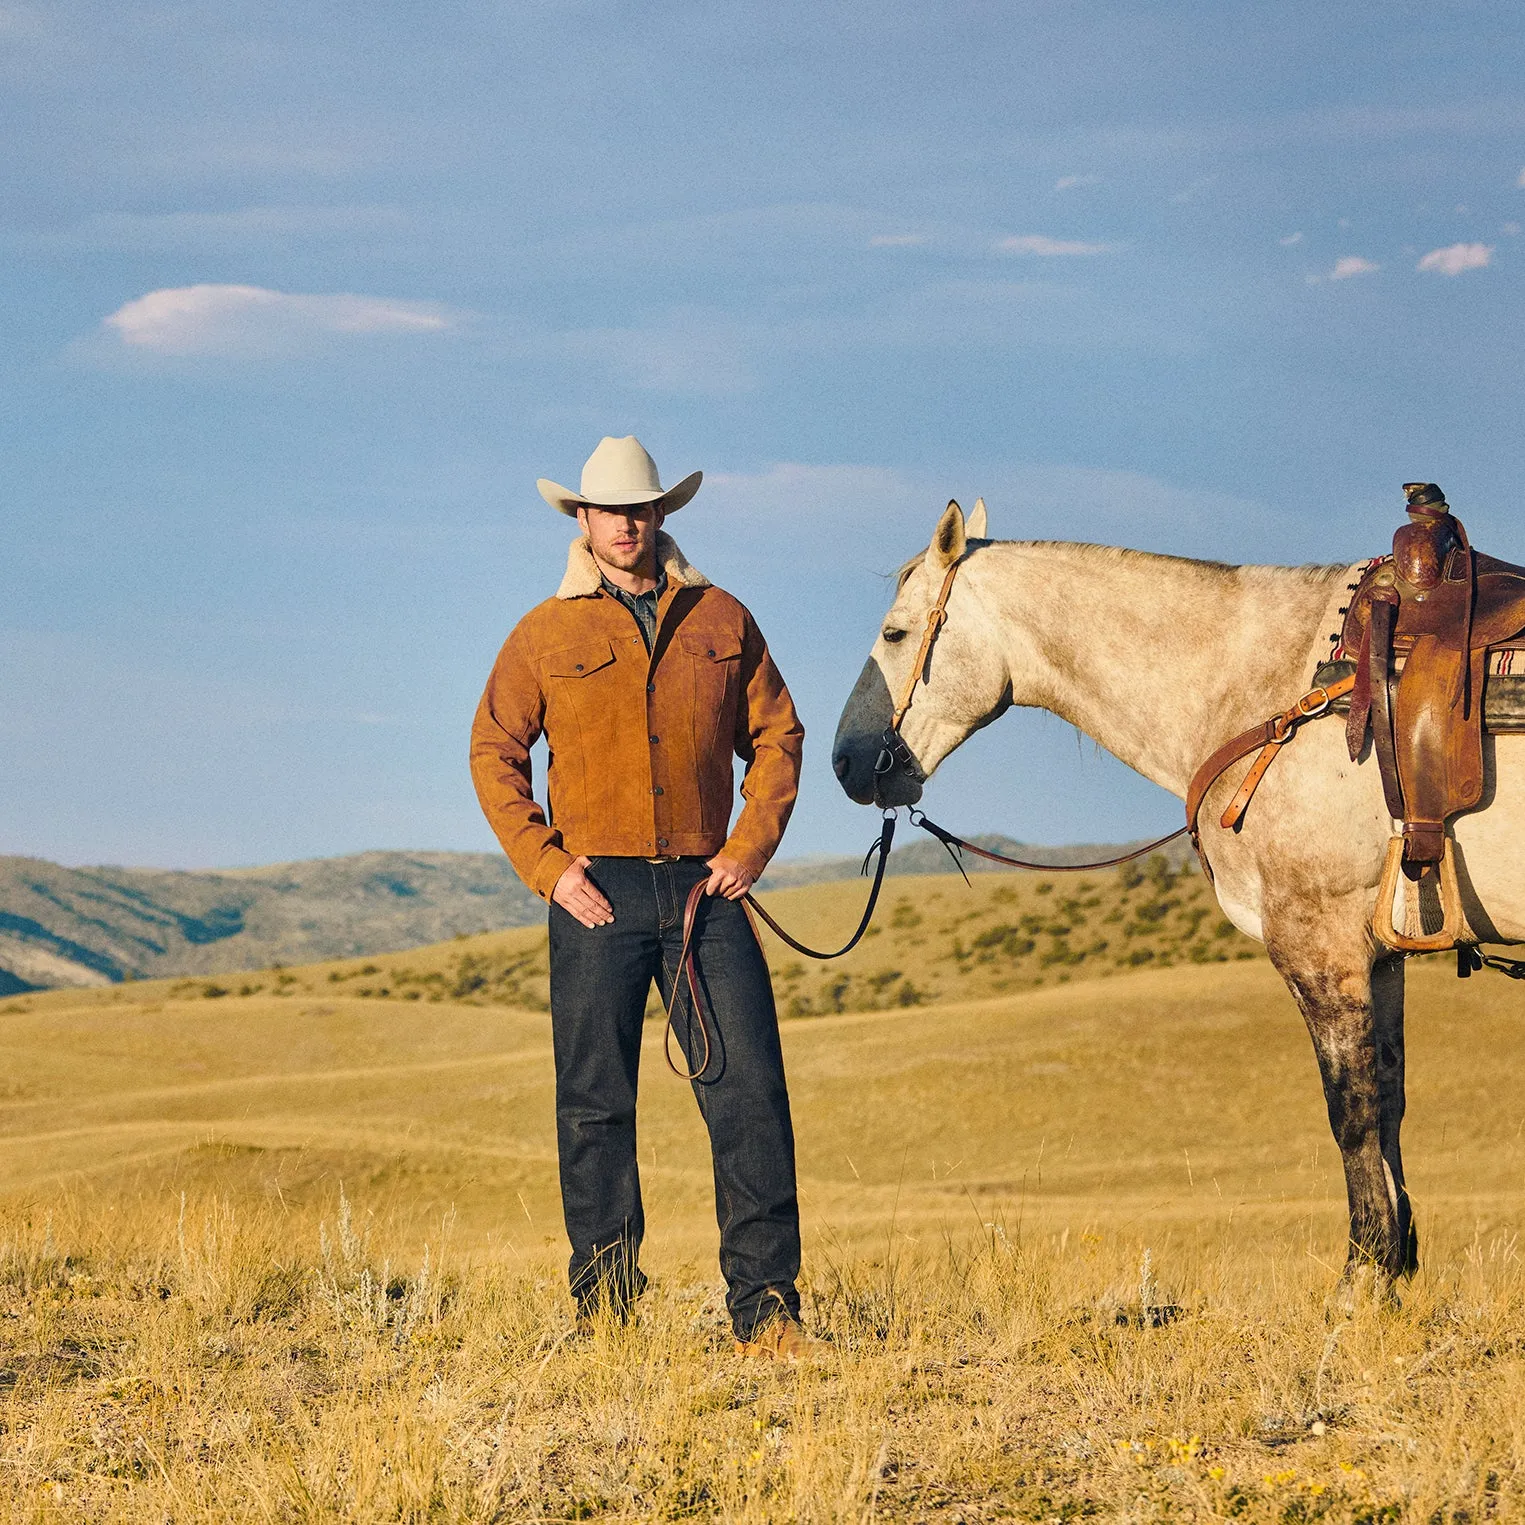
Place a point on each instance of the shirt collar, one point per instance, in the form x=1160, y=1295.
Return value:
x=622, y=595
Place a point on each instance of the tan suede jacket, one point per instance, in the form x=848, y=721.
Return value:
x=640, y=747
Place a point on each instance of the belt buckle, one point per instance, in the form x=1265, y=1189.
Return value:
x=665, y=858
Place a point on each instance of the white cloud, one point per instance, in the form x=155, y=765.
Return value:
x=1290, y=239
x=896, y=240
x=1071, y=182
x=1455, y=259
x=1041, y=244
x=1511, y=228
x=251, y=320
x=1349, y=265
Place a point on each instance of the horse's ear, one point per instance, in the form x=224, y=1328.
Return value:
x=948, y=539
x=974, y=526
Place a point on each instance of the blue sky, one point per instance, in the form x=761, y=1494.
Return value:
x=299, y=300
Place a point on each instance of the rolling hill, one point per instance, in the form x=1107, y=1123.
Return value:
x=96, y=926
x=934, y=939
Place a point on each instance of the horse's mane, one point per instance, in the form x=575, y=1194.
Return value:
x=1308, y=572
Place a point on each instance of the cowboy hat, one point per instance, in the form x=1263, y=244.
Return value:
x=620, y=474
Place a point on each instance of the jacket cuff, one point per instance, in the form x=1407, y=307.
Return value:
x=747, y=856
x=554, y=862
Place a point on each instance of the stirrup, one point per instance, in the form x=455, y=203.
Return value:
x=1453, y=928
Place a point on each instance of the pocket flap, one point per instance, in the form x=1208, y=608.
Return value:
x=578, y=661
x=716, y=648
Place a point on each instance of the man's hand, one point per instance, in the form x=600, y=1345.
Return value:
x=577, y=894
x=728, y=878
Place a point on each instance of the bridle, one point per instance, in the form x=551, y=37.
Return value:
x=893, y=752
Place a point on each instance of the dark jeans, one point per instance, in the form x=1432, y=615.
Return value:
x=600, y=978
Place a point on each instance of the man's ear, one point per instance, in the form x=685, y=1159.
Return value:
x=948, y=539
x=582, y=519
x=659, y=518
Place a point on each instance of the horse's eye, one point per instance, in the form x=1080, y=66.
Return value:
x=891, y=635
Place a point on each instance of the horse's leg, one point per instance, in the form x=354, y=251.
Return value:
x=1387, y=1016
x=1321, y=950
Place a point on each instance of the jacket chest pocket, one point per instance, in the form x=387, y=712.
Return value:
x=714, y=661
x=580, y=677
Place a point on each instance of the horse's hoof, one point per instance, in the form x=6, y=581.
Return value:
x=1362, y=1285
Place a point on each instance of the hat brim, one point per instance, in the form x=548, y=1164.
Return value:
x=568, y=502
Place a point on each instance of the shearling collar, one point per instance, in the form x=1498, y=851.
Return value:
x=584, y=581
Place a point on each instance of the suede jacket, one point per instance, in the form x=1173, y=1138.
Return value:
x=640, y=746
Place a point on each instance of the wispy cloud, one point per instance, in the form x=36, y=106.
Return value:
x=251, y=320
x=1194, y=190
x=1074, y=182
x=1456, y=259
x=1290, y=239
x=896, y=240
x=818, y=502
x=1042, y=244
x=240, y=226
x=1349, y=265
x=689, y=353
x=1521, y=181
x=19, y=21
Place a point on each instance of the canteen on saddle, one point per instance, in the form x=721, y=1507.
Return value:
x=1434, y=630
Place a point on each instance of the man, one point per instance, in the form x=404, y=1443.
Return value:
x=646, y=680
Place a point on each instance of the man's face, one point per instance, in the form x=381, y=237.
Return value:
x=625, y=538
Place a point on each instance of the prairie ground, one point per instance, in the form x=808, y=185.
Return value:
x=296, y=1255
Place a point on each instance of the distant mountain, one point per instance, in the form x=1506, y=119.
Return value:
x=96, y=926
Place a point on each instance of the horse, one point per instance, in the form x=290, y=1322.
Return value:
x=1159, y=659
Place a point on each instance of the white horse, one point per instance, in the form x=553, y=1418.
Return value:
x=1161, y=659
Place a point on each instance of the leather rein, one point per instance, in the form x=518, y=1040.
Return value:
x=1266, y=740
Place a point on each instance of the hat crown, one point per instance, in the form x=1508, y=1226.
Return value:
x=618, y=467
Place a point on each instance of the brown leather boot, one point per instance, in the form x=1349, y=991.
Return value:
x=780, y=1339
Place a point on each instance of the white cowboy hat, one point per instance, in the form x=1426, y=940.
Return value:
x=619, y=474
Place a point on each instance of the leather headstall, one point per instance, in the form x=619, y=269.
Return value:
x=893, y=751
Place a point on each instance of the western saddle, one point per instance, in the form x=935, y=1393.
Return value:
x=1425, y=626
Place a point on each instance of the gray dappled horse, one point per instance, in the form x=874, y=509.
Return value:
x=1160, y=659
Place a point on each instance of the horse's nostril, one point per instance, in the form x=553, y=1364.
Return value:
x=841, y=766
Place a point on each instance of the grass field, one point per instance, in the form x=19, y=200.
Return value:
x=296, y=1254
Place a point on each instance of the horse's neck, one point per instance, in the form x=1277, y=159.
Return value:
x=1158, y=658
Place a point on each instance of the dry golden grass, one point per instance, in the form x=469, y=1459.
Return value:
x=298, y=1257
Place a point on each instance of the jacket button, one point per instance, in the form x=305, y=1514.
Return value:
x=661, y=841
x=651, y=688
x=653, y=740
x=657, y=790
x=579, y=665
x=709, y=653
